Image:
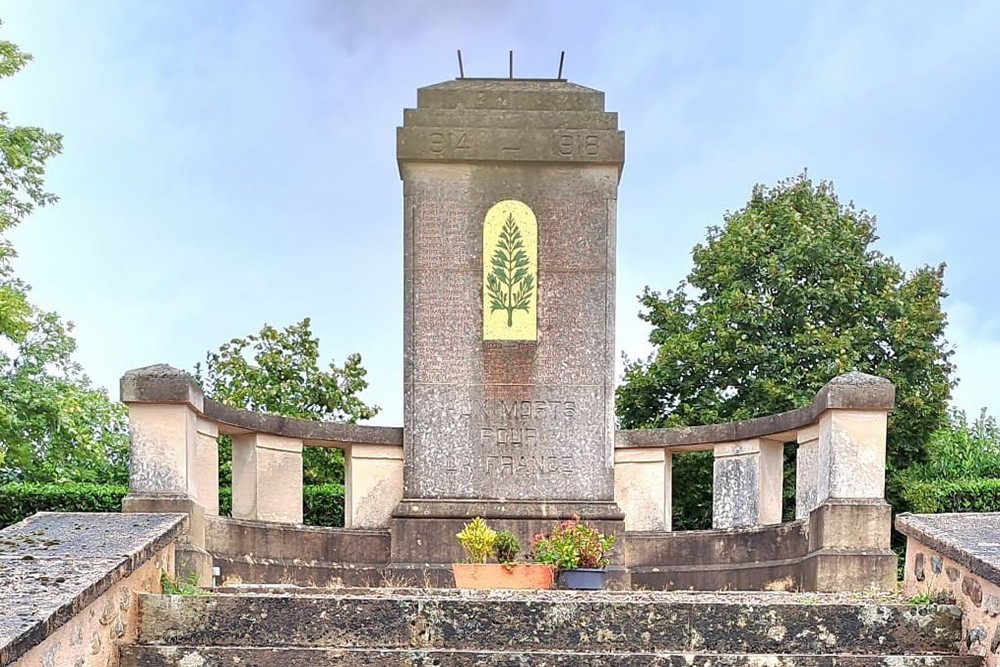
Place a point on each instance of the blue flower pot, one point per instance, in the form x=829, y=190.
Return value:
x=582, y=579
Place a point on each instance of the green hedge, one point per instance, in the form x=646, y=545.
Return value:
x=323, y=503
x=954, y=495
x=19, y=501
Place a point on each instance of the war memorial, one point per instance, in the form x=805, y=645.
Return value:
x=509, y=193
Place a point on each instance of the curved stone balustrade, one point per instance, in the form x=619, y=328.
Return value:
x=840, y=468
x=175, y=459
x=841, y=454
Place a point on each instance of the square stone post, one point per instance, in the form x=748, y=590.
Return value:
x=174, y=457
x=643, y=478
x=809, y=484
x=267, y=478
x=853, y=444
x=849, y=520
x=204, y=477
x=747, y=484
x=373, y=476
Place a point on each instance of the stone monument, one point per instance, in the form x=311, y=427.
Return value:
x=510, y=193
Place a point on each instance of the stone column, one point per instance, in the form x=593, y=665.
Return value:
x=849, y=525
x=174, y=457
x=809, y=484
x=373, y=477
x=642, y=487
x=747, y=484
x=510, y=191
x=267, y=478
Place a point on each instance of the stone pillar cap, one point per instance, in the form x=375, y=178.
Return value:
x=858, y=391
x=510, y=94
x=510, y=120
x=161, y=383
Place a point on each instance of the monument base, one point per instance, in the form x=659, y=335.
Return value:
x=423, y=531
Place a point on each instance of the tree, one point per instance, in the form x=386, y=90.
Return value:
x=785, y=295
x=54, y=427
x=278, y=372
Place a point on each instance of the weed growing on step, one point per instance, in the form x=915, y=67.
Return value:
x=186, y=585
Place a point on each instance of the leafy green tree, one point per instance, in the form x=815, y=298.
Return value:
x=278, y=372
x=785, y=295
x=54, y=427
x=23, y=154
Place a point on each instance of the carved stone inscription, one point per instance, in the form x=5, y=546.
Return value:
x=521, y=438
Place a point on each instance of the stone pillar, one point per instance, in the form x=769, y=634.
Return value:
x=510, y=192
x=747, y=484
x=853, y=444
x=205, y=473
x=174, y=457
x=267, y=478
x=849, y=523
x=808, y=481
x=643, y=487
x=373, y=486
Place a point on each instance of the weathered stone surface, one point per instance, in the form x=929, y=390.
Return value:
x=160, y=383
x=554, y=620
x=53, y=565
x=250, y=551
x=855, y=391
x=736, y=497
x=524, y=420
x=155, y=656
x=972, y=588
x=969, y=539
x=519, y=94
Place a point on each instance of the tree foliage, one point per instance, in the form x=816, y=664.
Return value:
x=278, y=372
x=785, y=295
x=960, y=450
x=54, y=427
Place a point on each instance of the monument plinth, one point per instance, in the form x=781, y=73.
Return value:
x=510, y=190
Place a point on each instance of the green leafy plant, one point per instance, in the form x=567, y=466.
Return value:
x=510, y=284
x=477, y=539
x=186, y=585
x=506, y=547
x=573, y=544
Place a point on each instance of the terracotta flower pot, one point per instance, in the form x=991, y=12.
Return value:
x=491, y=575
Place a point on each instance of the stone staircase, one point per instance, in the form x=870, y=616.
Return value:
x=449, y=628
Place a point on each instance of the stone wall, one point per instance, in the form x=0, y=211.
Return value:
x=956, y=557
x=70, y=584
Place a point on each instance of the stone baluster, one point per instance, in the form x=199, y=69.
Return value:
x=643, y=478
x=373, y=476
x=267, y=478
x=747, y=483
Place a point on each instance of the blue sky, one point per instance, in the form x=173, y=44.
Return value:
x=229, y=163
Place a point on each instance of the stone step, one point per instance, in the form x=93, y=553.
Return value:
x=612, y=621
x=214, y=656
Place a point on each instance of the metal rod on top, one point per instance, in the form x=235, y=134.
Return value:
x=511, y=64
x=562, y=56
x=461, y=70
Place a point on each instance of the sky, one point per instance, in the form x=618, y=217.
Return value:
x=229, y=163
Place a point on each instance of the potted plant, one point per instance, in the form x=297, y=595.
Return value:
x=480, y=542
x=578, y=551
